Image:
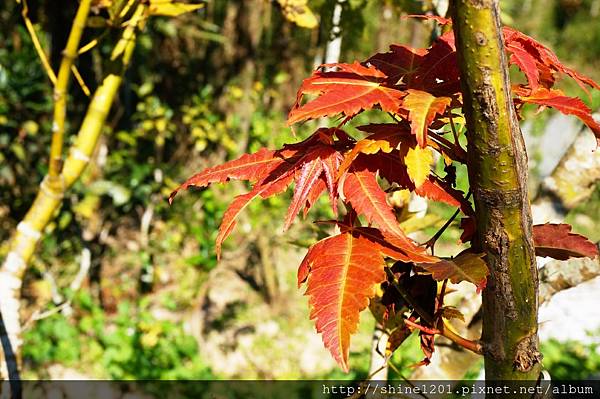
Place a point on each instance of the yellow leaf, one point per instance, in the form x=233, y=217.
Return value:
x=418, y=163
x=169, y=8
x=399, y=198
x=450, y=312
x=297, y=11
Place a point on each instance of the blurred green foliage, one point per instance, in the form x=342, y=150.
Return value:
x=132, y=344
x=572, y=360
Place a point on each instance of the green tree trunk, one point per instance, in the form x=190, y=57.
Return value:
x=498, y=177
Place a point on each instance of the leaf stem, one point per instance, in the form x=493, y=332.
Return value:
x=454, y=133
x=431, y=242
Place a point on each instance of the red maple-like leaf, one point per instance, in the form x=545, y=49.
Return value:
x=344, y=272
x=362, y=191
x=348, y=90
x=437, y=190
x=544, y=57
x=525, y=61
x=557, y=241
x=317, y=163
x=567, y=105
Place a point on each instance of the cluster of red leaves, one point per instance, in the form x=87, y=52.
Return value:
x=420, y=89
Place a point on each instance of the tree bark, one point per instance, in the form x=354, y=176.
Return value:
x=498, y=178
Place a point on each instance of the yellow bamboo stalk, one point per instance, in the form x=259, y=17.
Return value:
x=49, y=197
x=60, y=90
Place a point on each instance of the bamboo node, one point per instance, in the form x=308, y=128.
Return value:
x=79, y=155
x=14, y=262
x=27, y=230
x=47, y=189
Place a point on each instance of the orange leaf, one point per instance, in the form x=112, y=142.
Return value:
x=348, y=91
x=344, y=272
x=264, y=189
x=422, y=109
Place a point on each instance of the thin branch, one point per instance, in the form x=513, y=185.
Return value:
x=454, y=133
x=431, y=242
x=36, y=43
x=79, y=79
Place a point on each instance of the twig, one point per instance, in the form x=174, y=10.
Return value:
x=454, y=133
x=79, y=79
x=431, y=242
x=37, y=315
x=36, y=43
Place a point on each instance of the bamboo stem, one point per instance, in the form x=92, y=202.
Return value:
x=497, y=163
x=49, y=197
x=60, y=89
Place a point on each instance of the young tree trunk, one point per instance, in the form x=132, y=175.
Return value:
x=498, y=178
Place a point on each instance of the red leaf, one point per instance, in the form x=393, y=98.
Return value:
x=348, y=91
x=362, y=191
x=344, y=272
x=545, y=57
x=251, y=167
x=526, y=63
x=400, y=62
x=305, y=180
x=557, y=241
x=567, y=105
x=314, y=194
x=331, y=165
x=438, y=73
